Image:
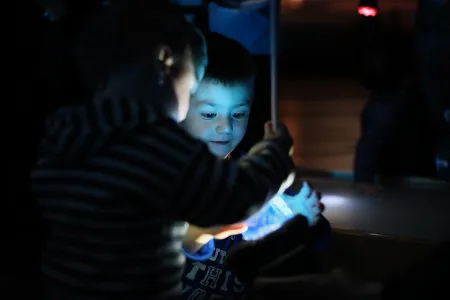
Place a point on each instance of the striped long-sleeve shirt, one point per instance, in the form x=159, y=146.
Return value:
x=116, y=185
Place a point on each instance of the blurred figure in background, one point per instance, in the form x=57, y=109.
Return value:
x=432, y=52
x=404, y=130
x=394, y=141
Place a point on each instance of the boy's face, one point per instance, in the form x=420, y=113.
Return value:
x=218, y=115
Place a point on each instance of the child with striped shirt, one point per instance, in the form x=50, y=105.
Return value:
x=117, y=178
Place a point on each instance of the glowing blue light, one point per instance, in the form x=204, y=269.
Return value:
x=268, y=219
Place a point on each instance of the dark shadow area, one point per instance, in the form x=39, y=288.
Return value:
x=376, y=257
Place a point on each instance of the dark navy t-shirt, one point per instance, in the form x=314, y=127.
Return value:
x=205, y=277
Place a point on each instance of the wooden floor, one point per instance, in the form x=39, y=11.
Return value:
x=323, y=116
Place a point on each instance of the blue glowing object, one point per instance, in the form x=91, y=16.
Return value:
x=268, y=219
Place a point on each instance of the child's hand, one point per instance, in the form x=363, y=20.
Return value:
x=306, y=203
x=196, y=236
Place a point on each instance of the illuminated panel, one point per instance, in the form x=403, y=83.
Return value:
x=282, y=208
x=268, y=219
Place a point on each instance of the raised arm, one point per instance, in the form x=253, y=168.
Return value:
x=214, y=191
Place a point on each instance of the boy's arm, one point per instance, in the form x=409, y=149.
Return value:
x=177, y=176
x=214, y=191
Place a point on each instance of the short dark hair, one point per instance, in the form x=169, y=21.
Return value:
x=123, y=37
x=228, y=61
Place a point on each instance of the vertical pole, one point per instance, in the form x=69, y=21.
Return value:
x=274, y=33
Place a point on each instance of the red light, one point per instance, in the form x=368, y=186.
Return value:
x=367, y=11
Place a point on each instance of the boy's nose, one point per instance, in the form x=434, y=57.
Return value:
x=223, y=125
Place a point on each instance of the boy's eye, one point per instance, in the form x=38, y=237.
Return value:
x=239, y=115
x=208, y=115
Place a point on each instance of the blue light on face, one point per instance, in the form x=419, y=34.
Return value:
x=271, y=217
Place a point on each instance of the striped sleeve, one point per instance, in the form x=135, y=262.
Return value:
x=175, y=172
x=178, y=174
x=214, y=191
x=111, y=182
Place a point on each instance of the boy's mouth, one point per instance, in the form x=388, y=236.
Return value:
x=222, y=143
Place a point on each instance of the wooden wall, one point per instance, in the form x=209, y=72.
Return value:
x=323, y=116
x=323, y=113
